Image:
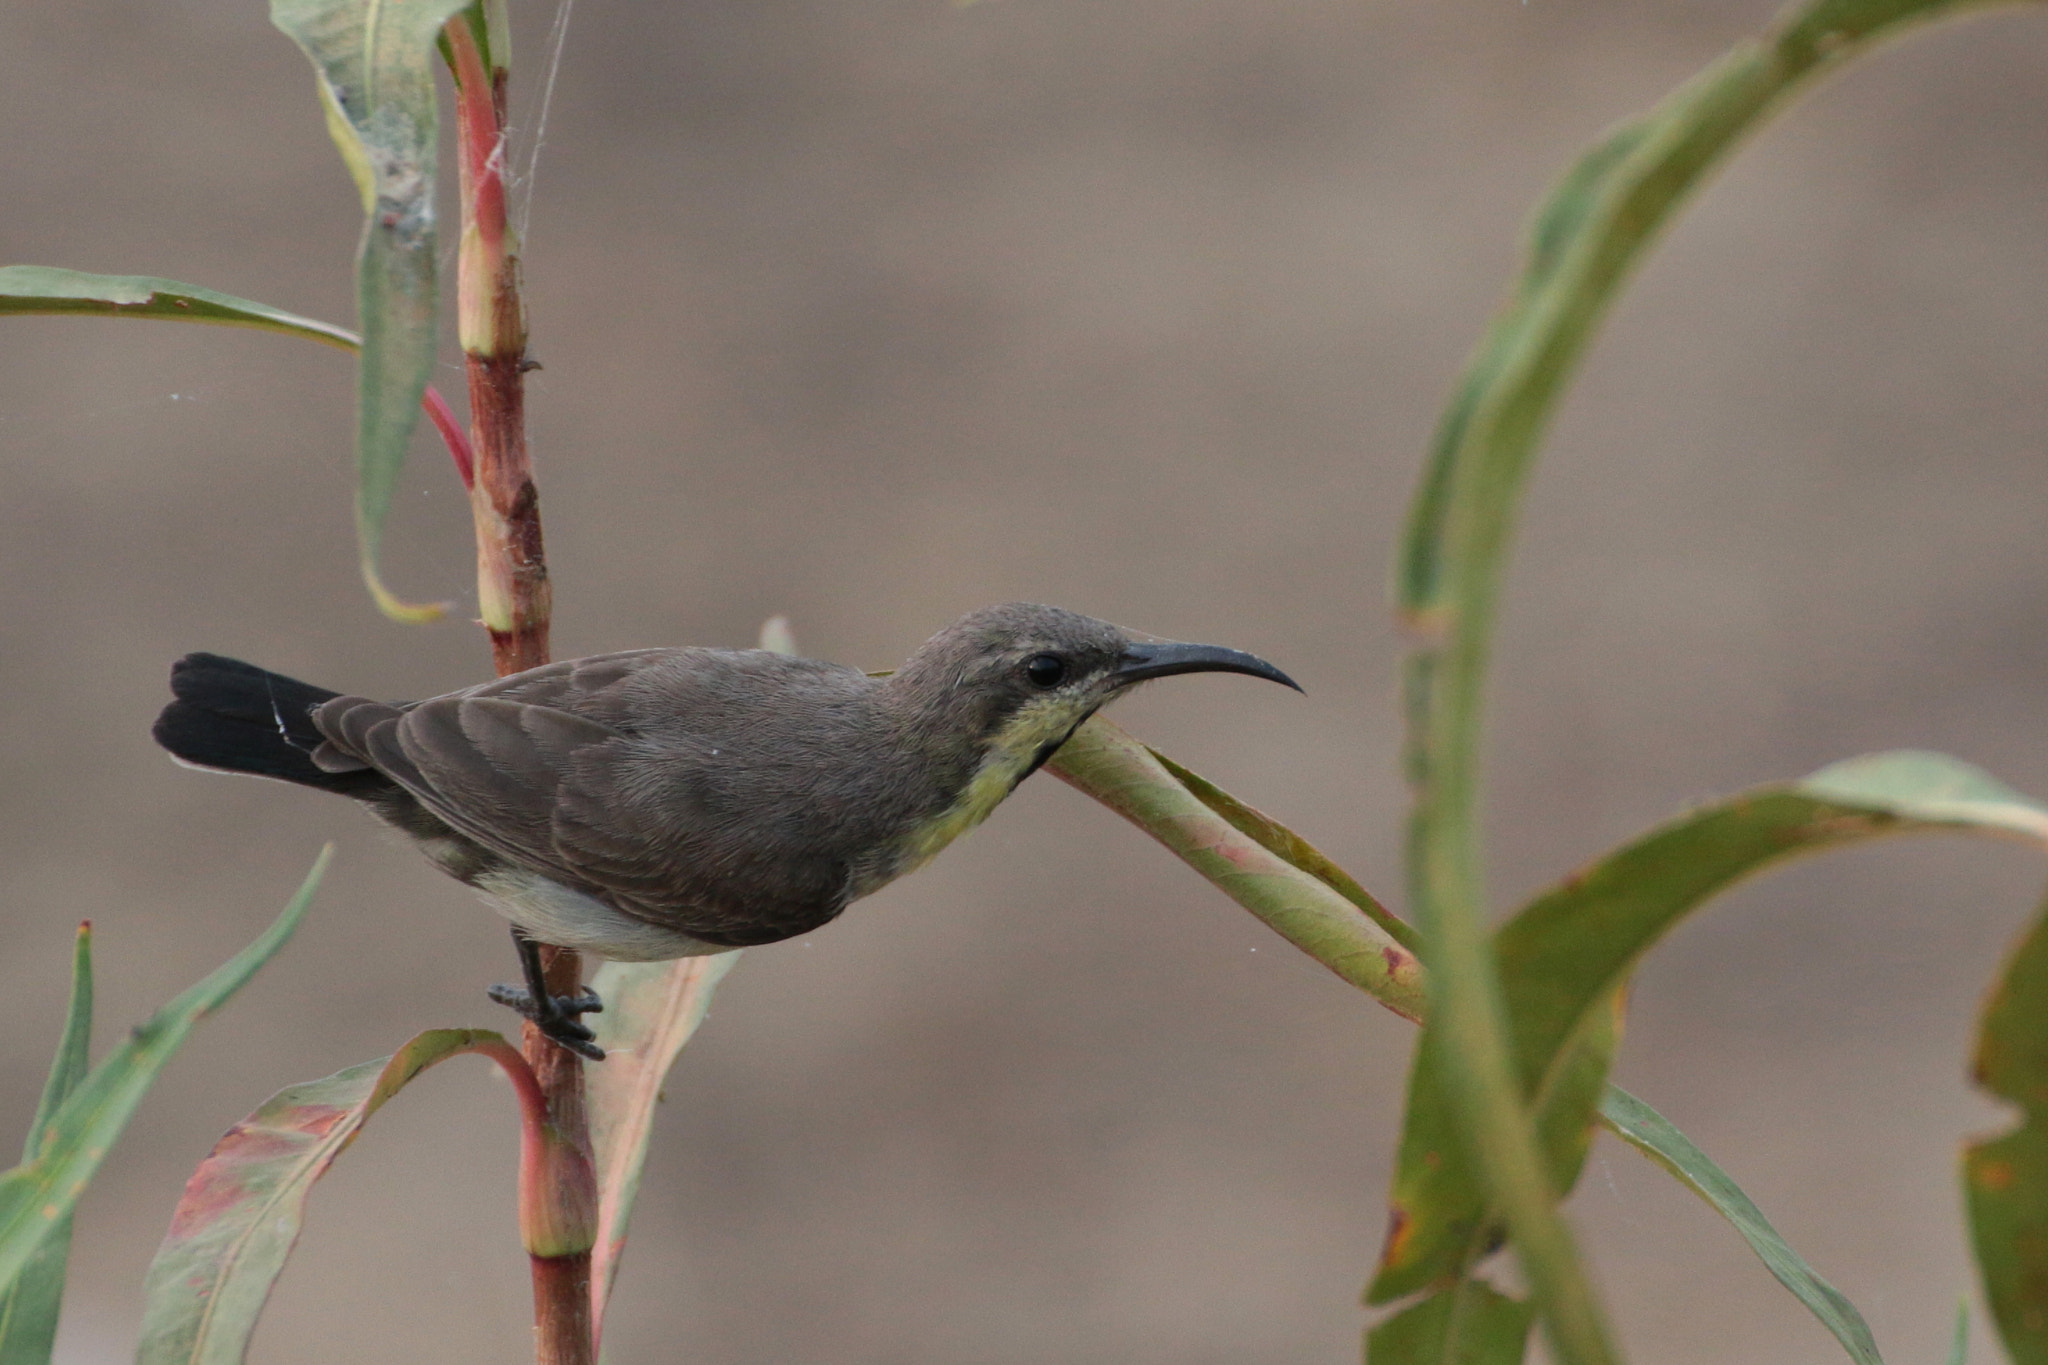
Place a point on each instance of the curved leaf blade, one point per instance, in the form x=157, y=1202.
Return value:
x=31, y=1302
x=1291, y=848
x=1590, y=233
x=650, y=1010
x=374, y=63
x=1104, y=761
x=36, y=1197
x=1469, y=1323
x=41, y=289
x=242, y=1209
x=1575, y=946
x=1650, y=1133
x=2005, y=1179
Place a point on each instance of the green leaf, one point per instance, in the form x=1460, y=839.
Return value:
x=27, y=289
x=650, y=1011
x=2005, y=1179
x=1574, y=946
x=1468, y=1323
x=38, y=1196
x=1959, y=1342
x=242, y=1209
x=1291, y=848
x=1650, y=1133
x=1590, y=233
x=1437, y=1226
x=374, y=62
x=31, y=1301
x=1107, y=764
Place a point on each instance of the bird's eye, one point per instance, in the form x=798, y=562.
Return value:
x=1046, y=670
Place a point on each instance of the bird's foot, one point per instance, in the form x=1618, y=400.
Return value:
x=556, y=1019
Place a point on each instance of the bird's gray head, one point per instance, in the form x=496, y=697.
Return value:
x=1021, y=677
x=988, y=699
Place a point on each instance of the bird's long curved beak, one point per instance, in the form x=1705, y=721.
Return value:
x=1162, y=658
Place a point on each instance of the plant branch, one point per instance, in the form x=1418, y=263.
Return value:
x=513, y=594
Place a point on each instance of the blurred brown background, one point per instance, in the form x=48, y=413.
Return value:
x=874, y=313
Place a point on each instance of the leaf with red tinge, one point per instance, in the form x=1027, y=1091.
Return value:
x=1253, y=865
x=1285, y=844
x=242, y=1208
x=650, y=1011
x=2005, y=1178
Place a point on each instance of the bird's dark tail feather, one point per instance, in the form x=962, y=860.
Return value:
x=243, y=719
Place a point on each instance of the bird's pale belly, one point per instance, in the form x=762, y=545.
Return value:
x=550, y=912
x=543, y=908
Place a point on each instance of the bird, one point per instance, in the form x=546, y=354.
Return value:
x=679, y=801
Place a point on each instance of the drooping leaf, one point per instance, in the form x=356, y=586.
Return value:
x=37, y=1196
x=29, y=1305
x=2005, y=1179
x=650, y=1011
x=1575, y=945
x=242, y=1209
x=31, y=289
x=1469, y=1323
x=375, y=68
x=1107, y=764
x=1650, y=1133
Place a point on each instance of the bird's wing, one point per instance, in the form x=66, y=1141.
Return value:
x=490, y=768
x=531, y=768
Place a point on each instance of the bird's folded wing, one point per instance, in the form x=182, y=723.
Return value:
x=587, y=687
x=495, y=770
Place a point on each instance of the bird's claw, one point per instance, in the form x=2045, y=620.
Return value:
x=557, y=1020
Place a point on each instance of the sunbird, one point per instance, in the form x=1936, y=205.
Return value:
x=665, y=803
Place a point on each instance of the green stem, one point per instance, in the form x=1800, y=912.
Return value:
x=1589, y=235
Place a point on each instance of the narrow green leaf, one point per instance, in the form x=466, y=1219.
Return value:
x=1589, y=235
x=1574, y=947
x=31, y=1302
x=374, y=62
x=2005, y=1179
x=1650, y=1133
x=1959, y=1342
x=242, y=1209
x=1290, y=847
x=650, y=1011
x=1469, y=1323
x=1107, y=764
x=39, y=1195
x=29, y=289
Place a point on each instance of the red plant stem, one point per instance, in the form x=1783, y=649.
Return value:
x=558, y=1216
x=512, y=575
x=452, y=435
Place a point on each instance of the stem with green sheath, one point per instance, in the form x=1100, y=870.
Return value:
x=558, y=1196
